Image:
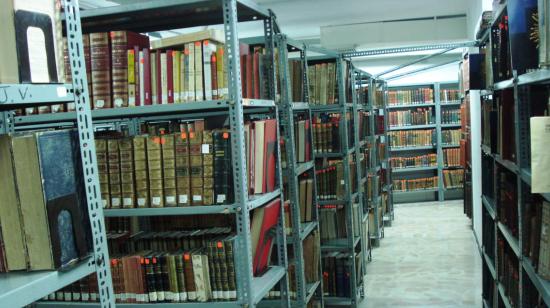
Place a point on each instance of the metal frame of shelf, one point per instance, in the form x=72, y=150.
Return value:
x=442, y=191
x=250, y=290
x=522, y=101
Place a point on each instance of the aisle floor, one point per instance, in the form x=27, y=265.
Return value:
x=428, y=258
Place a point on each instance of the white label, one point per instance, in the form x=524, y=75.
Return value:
x=170, y=199
x=115, y=202
x=146, y=298
x=61, y=91
x=233, y=294
x=177, y=96
x=168, y=296
x=55, y=108
x=152, y=296
x=156, y=201
x=226, y=294
x=127, y=202
x=76, y=296
x=220, y=199
x=192, y=295
x=118, y=102
x=93, y=297
x=342, y=182
x=183, y=199
x=100, y=103
x=197, y=198
x=104, y=203
x=176, y=297
x=85, y=297
x=160, y=296
x=131, y=101
x=183, y=296
x=141, y=201
x=67, y=296
x=205, y=149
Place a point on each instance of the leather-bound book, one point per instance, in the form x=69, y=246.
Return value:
x=196, y=165
x=141, y=171
x=103, y=169
x=127, y=176
x=154, y=162
x=113, y=159
x=207, y=150
x=183, y=184
x=169, y=169
x=223, y=171
x=101, y=70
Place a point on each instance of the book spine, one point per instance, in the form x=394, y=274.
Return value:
x=182, y=169
x=101, y=66
x=196, y=165
x=146, y=97
x=162, y=82
x=113, y=157
x=169, y=169
x=141, y=171
x=131, y=72
x=103, y=169
x=222, y=167
x=119, y=68
x=154, y=162
x=176, y=75
x=170, y=77
x=127, y=172
x=207, y=150
x=199, y=80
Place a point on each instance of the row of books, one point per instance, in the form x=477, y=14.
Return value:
x=337, y=273
x=423, y=95
x=312, y=255
x=296, y=72
x=488, y=235
x=364, y=124
x=323, y=83
x=453, y=178
x=302, y=140
x=451, y=157
x=507, y=200
x=427, y=160
x=306, y=203
x=44, y=221
x=536, y=247
x=326, y=133
x=331, y=184
x=415, y=184
x=419, y=116
x=333, y=222
x=451, y=136
x=449, y=95
x=372, y=186
x=412, y=138
x=450, y=116
x=508, y=269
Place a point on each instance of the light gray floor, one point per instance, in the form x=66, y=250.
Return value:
x=428, y=258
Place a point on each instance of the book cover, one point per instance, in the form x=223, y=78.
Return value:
x=207, y=150
x=127, y=178
x=169, y=169
x=101, y=70
x=113, y=160
x=154, y=164
x=223, y=175
x=196, y=165
x=271, y=215
x=183, y=184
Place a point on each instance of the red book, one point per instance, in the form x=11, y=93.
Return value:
x=243, y=76
x=270, y=156
x=214, y=75
x=256, y=72
x=159, y=78
x=270, y=216
x=170, y=79
x=146, y=77
x=249, y=77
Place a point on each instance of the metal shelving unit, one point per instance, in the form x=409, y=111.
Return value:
x=156, y=16
x=347, y=154
x=521, y=86
x=23, y=288
x=441, y=193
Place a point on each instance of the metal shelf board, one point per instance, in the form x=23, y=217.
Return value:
x=512, y=241
x=450, y=104
x=394, y=149
x=339, y=244
x=486, y=92
x=256, y=201
x=451, y=125
x=486, y=149
x=165, y=15
x=311, y=288
x=489, y=206
x=262, y=285
x=396, y=192
x=303, y=167
x=325, y=108
x=305, y=229
x=526, y=177
x=510, y=165
x=503, y=296
x=171, y=211
x=447, y=146
x=18, y=289
x=490, y=265
x=453, y=188
x=504, y=84
x=328, y=155
x=542, y=285
x=14, y=96
x=453, y=167
x=538, y=76
x=410, y=106
x=231, y=304
x=331, y=202
x=396, y=128
x=299, y=106
x=413, y=169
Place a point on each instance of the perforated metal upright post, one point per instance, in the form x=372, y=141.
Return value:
x=88, y=153
x=344, y=138
x=358, y=172
x=521, y=118
x=243, y=263
x=439, y=140
x=387, y=154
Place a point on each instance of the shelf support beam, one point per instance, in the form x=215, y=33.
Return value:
x=415, y=62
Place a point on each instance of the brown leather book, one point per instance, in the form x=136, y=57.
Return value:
x=141, y=171
x=103, y=169
x=169, y=169
x=154, y=162
x=101, y=70
x=207, y=150
x=183, y=184
x=127, y=178
x=195, y=156
x=113, y=160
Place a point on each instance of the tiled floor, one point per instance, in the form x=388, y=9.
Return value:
x=428, y=258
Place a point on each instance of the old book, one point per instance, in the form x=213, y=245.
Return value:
x=207, y=150
x=154, y=162
x=302, y=188
x=170, y=76
x=169, y=169
x=9, y=71
x=214, y=75
x=113, y=159
x=133, y=74
x=265, y=239
x=208, y=49
x=141, y=171
x=221, y=72
x=223, y=190
x=229, y=244
x=309, y=200
x=155, y=77
x=191, y=94
x=189, y=277
x=199, y=72
x=259, y=156
x=270, y=144
x=196, y=165
x=249, y=75
x=127, y=178
x=173, y=293
x=176, y=67
x=103, y=169
x=121, y=43
x=544, y=250
x=183, y=181
x=201, y=276
x=163, y=77
x=11, y=224
x=101, y=70
x=215, y=285
x=180, y=272
x=540, y=154
x=183, y=71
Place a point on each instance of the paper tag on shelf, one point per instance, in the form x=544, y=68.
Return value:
x=127, y=202
x=156, y=200
x=205, y=149
x=141, y=201
x=183, y=199
x=170, y=199
x=197, y=198
x=220, y=199
x=115, y=202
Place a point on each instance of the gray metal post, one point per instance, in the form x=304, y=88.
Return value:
x=88, y=153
